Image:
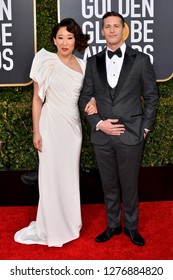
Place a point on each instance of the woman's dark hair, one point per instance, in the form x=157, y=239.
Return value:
x=115, y=14
x=81, y=39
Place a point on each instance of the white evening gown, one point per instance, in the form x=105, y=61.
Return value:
x=58, y=218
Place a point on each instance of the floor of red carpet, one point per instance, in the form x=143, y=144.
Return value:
x=155, y=224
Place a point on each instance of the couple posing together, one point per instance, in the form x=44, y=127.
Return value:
x=108, y=88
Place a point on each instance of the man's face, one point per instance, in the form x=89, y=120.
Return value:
x=113, y=32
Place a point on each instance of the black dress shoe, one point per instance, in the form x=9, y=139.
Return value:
x=30, y=178
x=135, y=237
x=108, y=233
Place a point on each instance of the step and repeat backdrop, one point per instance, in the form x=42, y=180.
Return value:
x=17, y=41
x=149, y=29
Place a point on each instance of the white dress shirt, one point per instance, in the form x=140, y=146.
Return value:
x=113, y=66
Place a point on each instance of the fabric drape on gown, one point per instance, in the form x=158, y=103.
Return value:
x=59, y=215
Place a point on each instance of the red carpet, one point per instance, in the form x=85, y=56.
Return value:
x=156, y=226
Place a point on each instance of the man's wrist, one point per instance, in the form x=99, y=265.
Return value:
x=98, y=124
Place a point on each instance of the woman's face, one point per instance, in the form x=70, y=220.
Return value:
x=65, y=41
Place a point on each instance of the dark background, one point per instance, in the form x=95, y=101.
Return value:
x=23, y=43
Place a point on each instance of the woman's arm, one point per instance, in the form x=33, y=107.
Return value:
x=36, y=111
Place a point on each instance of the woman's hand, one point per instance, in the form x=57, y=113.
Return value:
x=91, y=107
x=37, y=141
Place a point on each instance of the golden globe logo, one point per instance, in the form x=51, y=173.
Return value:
x=126, y=33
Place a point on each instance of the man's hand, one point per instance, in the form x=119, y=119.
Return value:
x=145, y=134
x=111, y=127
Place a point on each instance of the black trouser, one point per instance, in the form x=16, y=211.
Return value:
x=119, y=169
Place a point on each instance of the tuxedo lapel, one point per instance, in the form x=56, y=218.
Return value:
x=101, y=67
x=126, y=67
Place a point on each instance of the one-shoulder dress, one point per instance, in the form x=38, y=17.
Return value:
x=58, y=219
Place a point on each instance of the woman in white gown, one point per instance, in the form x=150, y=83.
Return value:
x=58, y=78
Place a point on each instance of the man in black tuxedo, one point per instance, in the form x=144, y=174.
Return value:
x=119, y=81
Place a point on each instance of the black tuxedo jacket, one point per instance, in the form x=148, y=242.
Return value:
x=136, y=82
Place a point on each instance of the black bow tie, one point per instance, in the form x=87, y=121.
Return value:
x=117, y=52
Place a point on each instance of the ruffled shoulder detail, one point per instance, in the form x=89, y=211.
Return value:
x=43, y=64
